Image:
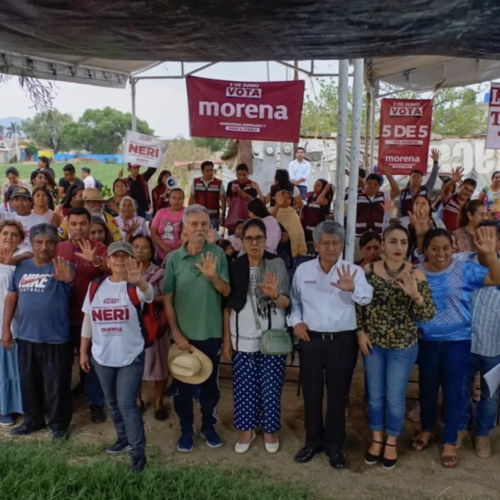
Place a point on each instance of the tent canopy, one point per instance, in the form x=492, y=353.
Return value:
x=102, y=43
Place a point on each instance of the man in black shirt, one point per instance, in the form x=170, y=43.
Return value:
x=242, y=186
x=68, y=180
x=138, y=187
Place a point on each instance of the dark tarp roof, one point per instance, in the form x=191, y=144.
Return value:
x=239, y=30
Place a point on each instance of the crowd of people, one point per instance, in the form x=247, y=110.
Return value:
x=249, y=276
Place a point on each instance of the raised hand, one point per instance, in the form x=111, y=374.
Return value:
x=408, y=284
x=434, y=154
x=134, y=274
x=346, y=279
x=456, y=174
x=120, y=173
x=208, y=265
x=280, y=199
x=421, y=221
x=270, y=287
x=383, y=169
x=255, y=186
x=87, y=252
x=6, y=253
x=486, y=240
x=388, y=206
x=131, y=226
x=112, y=205
x=63, y=270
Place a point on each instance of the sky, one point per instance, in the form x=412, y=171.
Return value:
x=162, y=103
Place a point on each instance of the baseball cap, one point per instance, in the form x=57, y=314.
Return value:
x=120, y=246
x=20, y=191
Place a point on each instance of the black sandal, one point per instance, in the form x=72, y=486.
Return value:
x=374, y=459
x=389, y=463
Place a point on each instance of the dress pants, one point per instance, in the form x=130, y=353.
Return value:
x=45, y=370
x=330, y=358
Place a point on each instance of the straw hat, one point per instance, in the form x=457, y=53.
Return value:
x=90, y=194
x=190, y=367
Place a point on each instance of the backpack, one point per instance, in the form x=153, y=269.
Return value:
x=150, y=324
x=98, y=184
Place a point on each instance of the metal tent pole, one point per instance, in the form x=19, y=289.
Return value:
x=133, y=82
x=374, y=92
x=341, y=140
x=368, y=123
x=355, y=157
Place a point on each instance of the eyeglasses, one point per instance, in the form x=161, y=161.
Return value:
x=258, y=240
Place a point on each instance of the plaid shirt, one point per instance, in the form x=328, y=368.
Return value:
x=485, y=318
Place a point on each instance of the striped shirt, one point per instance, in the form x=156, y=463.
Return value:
x=450, y=210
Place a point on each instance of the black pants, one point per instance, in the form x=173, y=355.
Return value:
x=209, y=395
x=330, y=361
x=45, y=369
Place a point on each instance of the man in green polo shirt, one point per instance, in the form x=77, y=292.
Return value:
x=196, y=278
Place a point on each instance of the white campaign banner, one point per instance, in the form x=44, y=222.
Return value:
x=493, y=132
x=144, y=150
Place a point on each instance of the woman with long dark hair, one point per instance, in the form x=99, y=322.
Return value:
x=257, y=210
x=74, y=193
x=491, y=194
x=160, y=193
x=100, y=232
x=470, y=215
x=120, y=190
x=43, y=178
x=316, y=207
x=43, y=204
x=282, y=183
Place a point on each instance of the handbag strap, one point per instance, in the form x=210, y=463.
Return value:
x=255, y=315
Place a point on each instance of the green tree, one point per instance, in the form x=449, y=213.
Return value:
x=102, y=131
x=31, y=148
x=13, y=129
x=211, y=143
x=46, y=129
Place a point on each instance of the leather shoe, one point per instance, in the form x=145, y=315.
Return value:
x=337, y=461
x=305, y=455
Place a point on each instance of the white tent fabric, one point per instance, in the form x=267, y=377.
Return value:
x=427, y=73
x=76, y=69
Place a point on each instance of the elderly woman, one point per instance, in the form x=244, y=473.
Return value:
x=259, y=292
x=129, y=223
x=445, y=341
x=11, y=236
x=470, y=215
x=155, y=364
x=120, y=190
x=388, y=339
x=119, y=358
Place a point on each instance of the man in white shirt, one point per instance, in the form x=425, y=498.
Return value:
x=299, y=170
x=88, y=180
x=324, y=293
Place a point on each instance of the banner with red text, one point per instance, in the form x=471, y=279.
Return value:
x=493, y=132
x=405, y=132
x=245, y=110
x=143, y=150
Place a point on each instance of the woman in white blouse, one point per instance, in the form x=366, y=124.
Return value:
x=129, y=222
x=113, y=326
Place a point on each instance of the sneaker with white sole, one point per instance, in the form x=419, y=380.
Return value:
x=6, y=420
x=120, y=447
x=483, y=446
x=212, y=438
x=244, y=447
x=186, y=442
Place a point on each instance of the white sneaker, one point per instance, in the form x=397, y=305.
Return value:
x=243, y=448
x=272, y=447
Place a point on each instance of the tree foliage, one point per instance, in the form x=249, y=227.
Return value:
x=211, y=143
x=456, y=112
x=97, y=131
x=46, y=129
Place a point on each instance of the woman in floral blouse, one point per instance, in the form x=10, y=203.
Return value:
x=388, y=339
x=469, y=217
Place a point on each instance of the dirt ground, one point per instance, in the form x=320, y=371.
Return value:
x=416, y=476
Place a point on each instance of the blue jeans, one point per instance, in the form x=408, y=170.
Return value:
x=121, y=386
x=215, y=223
x=209, y=395
x=387, y=373
x=303, y=191
x=487, y=408
x=442, y=364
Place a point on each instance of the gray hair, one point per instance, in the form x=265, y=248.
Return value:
x=194, y=209
x=328, y=227
x=44, y=230
x=134, y=203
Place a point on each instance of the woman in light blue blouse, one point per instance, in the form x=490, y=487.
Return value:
x=445, y=343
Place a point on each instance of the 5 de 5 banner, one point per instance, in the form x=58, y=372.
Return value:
x=245, y=110
x=405, y=132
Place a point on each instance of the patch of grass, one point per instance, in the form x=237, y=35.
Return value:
x=31, y=470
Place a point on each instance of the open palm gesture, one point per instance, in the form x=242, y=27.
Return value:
x=388, y=206
x=486, y=240
x=270, y=287
x=6, y=253
x=421, y=221
x=456, y=174
x=408, y=284
x=131, y=226
x=208, y=265
x=134, y=274
x=434, y=154
x=346, y=279
x=86, y=251
x=62, y=270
